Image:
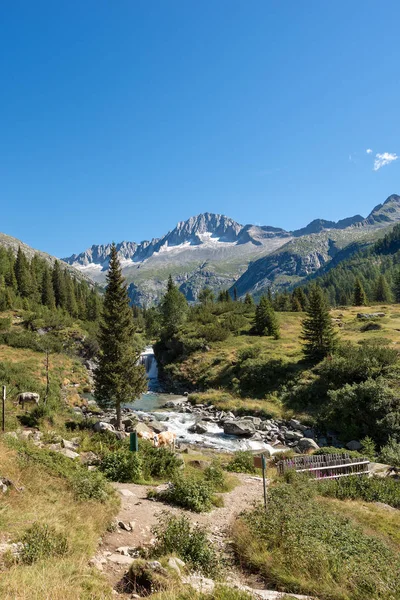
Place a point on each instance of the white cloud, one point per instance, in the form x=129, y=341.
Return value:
x=384, y=159
x=368, y=151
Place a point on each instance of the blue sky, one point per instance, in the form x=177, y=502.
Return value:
x=118, y=119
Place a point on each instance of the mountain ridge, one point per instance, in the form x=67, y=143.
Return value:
x=215, y=250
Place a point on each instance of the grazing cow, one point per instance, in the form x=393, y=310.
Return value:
x=145, y=435
x=167, y=438
x=28, y=397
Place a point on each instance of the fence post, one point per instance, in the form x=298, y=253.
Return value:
x=3, y=422
x=264, y=464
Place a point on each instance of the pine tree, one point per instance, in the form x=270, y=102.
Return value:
x=59, y=285
x=382, y=290
x=360, y=297
x=23, y=275
x=318, y=333
x=93, y=306
x=272, y=326
x=261, y=316
x=396, y=286
x=47, y=296
x=249, y=300
x=206, y=296
x=174, y=309
x=118, y=378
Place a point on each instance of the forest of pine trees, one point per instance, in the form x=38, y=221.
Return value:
x=26, y=283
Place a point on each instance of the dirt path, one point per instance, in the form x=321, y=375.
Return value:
x=143, y=514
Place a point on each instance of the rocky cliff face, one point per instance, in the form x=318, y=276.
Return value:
x=214, y=250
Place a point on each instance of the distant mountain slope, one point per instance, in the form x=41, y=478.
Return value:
x=303, y=256
x=214, y=250
x=8, y=241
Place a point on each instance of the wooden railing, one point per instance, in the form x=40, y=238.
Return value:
x=325, y=466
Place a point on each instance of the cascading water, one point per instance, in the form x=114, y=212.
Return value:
x=148, y=359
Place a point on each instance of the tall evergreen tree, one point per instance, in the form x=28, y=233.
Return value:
x=382, y=290
x=318, y=334
x=118, y=378
x=266, y=322
x=174, y=309
x=59, y=285
x=206, y=296
x=360, y=297
x=249, y=300
x=48, y=298
x=23, y=274
x=396, y=286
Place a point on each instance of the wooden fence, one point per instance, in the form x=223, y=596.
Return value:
x=325, y=466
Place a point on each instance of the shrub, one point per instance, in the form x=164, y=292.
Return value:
x=188, y=492
x=158, y=462
x=215, y=476
x=145, y=579
x=176, y=535
x=333, y=450
x=390, y=453
x=370, y=489
x=298, y=546
x=123, y=466
x=88, y=485
x=242, y=462
x=5, y=323
x=42, y=541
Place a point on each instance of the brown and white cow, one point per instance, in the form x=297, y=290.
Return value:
x=167, y=438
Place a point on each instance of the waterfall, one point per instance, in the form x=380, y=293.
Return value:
x=148, y=359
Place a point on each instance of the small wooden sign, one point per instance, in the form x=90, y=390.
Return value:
x=257, y=462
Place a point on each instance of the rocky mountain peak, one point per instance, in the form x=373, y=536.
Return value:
x=388, y=212
x=218, y=226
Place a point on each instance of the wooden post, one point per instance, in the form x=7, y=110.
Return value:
x=47, y=376
x=3, y=422
x=264, y=465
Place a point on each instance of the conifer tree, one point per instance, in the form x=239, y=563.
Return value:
x=118, y=378
x=48, y=298
x=396, y=286
x=22, y=274
x=235, y=294
x=206, y=296
x=174, y=309
x=266, y=322
x=59, y=285
x=249, y=300
x=360, y=297
x=382, y=290
x=318, y=333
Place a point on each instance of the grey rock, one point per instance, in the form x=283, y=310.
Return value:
x=307, y=444
x=69, y=453
x=102, y=426
x=293, y=435
x=199, y=427
x=68, y=444
x=124, y=526
x=353, y=445
x=239, y=428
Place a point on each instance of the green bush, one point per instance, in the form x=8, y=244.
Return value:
x=187, y=492
x=215, y=476
x=158, y=462
x=123, y=466
x=90, y=485
x=357, y=487
x=390, y=453
x=333, y=450
x=5, y=323
x=176, y=535
x=242, y=462
x=42, y=541
x=299, y=546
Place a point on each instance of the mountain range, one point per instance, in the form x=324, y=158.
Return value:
x=214, y=250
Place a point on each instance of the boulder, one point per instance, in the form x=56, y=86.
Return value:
x=101, y=426
x=293, y=435
x=68, y=444
x=375, y=315
x=176, y=564
x=307, y=444
x=353, y=445
x=69, y=453
x=239, y=428
x=199, y=427
x=89, y=458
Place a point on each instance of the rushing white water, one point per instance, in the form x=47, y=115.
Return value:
x=180, y=423
x=148, y=359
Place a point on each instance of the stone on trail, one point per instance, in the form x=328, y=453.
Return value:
x=126, y=493
x=124, y=526
x=120, y=559
x=201, y=584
